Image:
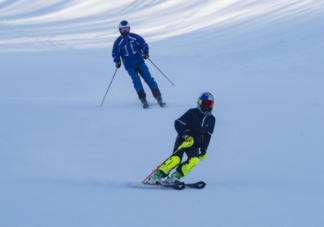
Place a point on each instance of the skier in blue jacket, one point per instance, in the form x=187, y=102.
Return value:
x=133, y=49
x=196, y=127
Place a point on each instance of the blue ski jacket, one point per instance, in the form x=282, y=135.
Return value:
x=130, y=49
x=198, y=125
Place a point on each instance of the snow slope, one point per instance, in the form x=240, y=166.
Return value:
x=66, y=161
x=82, y=24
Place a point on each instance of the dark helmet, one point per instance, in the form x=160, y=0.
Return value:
x=124, y=28
x=205, y=103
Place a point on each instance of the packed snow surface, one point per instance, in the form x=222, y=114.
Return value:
x=67, y=161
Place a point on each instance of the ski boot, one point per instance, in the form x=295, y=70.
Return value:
x=156, y=178
x=175, y=178
x=145, y=104
x=160, y=102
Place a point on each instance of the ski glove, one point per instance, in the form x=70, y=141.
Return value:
x=187, y=138
x=145, y=55
x=203, y=154
x=118, y=64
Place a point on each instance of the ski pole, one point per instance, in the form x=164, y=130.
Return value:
x=108, y=87
x=184, y=144
x=161, y=72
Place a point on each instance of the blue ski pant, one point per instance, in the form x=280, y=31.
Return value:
x=146, y=76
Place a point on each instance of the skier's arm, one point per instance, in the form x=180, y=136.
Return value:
x=143, y=45
x=180, y=124
x=207, y=137
x=116, y=51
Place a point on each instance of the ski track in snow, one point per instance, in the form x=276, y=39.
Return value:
x=30, y=25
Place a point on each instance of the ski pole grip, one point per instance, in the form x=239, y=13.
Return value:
x=186, y=144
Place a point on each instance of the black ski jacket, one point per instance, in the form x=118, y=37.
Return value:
x=198, y=125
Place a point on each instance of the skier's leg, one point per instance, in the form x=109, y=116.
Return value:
x=137, y=83
x=141, y=95
x=169, y=165
x=174, y=160
x=187, y=166
x=193, y=159
x=164, y=170
x=146, y=75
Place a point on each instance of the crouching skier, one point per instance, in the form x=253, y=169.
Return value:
x=133, y=49
x=198, y=125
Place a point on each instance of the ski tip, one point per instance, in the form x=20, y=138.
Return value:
x=200, y=185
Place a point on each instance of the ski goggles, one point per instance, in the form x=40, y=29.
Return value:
x=206, y=103
x=126, y=29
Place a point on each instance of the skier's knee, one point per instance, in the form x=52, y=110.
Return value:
x=189, y=165
x=170, y=164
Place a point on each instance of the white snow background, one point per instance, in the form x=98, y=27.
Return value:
x=66, y=161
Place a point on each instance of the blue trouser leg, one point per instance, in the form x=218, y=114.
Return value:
x=136, y=80
x=144, y=72
x=147, y=76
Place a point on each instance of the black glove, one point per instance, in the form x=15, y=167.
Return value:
x=145, y=55
x=118, y=64
x=203, y=154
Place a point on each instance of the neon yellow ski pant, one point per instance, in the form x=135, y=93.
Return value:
x=184, y=167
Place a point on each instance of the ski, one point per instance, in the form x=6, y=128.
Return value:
x=145, y=106
x=179, y=186
x=198, y=185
